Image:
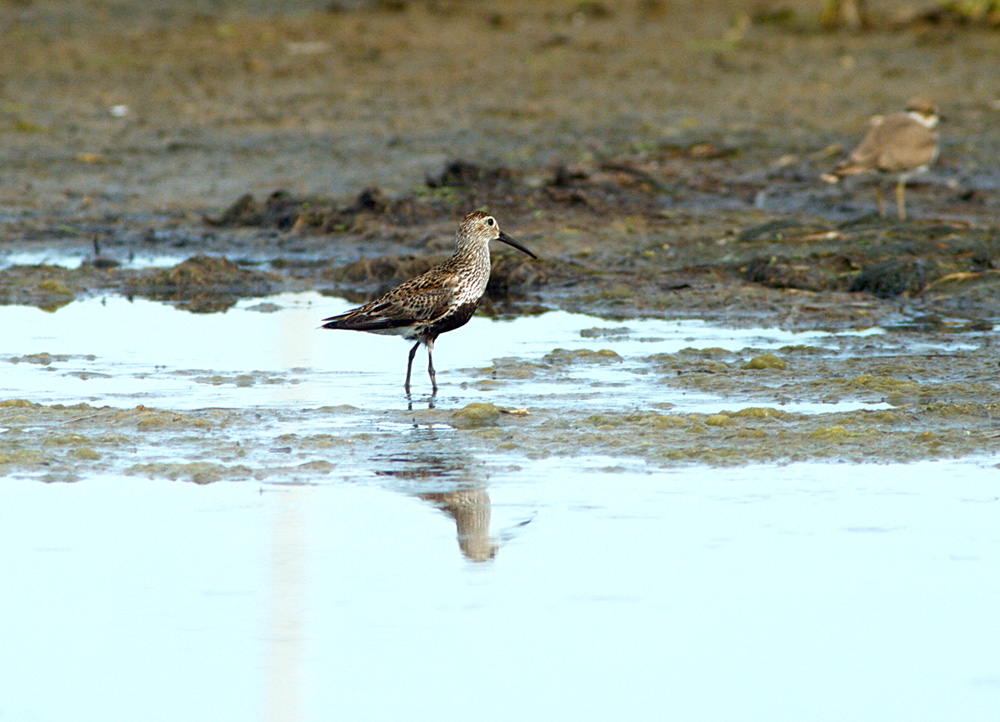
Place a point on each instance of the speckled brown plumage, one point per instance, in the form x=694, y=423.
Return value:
x=440, y=300
x=900, y=144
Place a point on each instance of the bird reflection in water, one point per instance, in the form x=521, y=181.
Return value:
x=470, y=508
x=455, y=492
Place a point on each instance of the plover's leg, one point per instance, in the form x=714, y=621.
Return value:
x=409, y=365
x=900, y=203
x=430, y=364
x=878, y=199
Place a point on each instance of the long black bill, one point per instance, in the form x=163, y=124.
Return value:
x=511, y=242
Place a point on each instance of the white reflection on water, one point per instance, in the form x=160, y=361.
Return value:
x=819, y=592
x=75, y=259
x=119, y=352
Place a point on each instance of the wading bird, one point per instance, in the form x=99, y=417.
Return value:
x=442, y=299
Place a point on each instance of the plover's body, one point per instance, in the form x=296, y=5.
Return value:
x=900, y=144
x=442, y=299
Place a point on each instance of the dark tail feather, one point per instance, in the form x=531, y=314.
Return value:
x=351, y=322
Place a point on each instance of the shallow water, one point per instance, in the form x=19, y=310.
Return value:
x=270, y=352
x=74, y=259
x=807, y=591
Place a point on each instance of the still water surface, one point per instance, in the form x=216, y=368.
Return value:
x=774, y=593
x=270, y=352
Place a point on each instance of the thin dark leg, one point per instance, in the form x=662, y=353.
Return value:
x=878, y=197
x=430, y=365
x=409, y=366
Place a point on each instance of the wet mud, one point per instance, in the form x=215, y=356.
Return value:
x=65, y=443
x=662, y=159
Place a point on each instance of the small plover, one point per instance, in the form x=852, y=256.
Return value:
x=900, y=144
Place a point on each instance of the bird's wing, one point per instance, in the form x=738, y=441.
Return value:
x=914, y=146
x=896, y=144
x=418, y=301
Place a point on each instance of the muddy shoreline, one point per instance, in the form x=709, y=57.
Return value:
x=662, y=158
x=609, y=247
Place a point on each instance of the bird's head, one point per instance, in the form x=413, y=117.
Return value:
x=923, y=110
x=478, y=229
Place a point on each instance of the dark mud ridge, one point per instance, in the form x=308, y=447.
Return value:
x=620, y=237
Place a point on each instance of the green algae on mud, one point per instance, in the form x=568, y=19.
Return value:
x=62, y=442
x=475, y=415
x=49, y=287
x=202, y=284
x=65, y=443
x=950, y=367
x=735, y=438
x=200, y=472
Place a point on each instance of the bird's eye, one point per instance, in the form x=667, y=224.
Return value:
x=489, y=221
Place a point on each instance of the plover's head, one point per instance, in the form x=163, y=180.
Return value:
x=478, y=229
x=923, y=110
